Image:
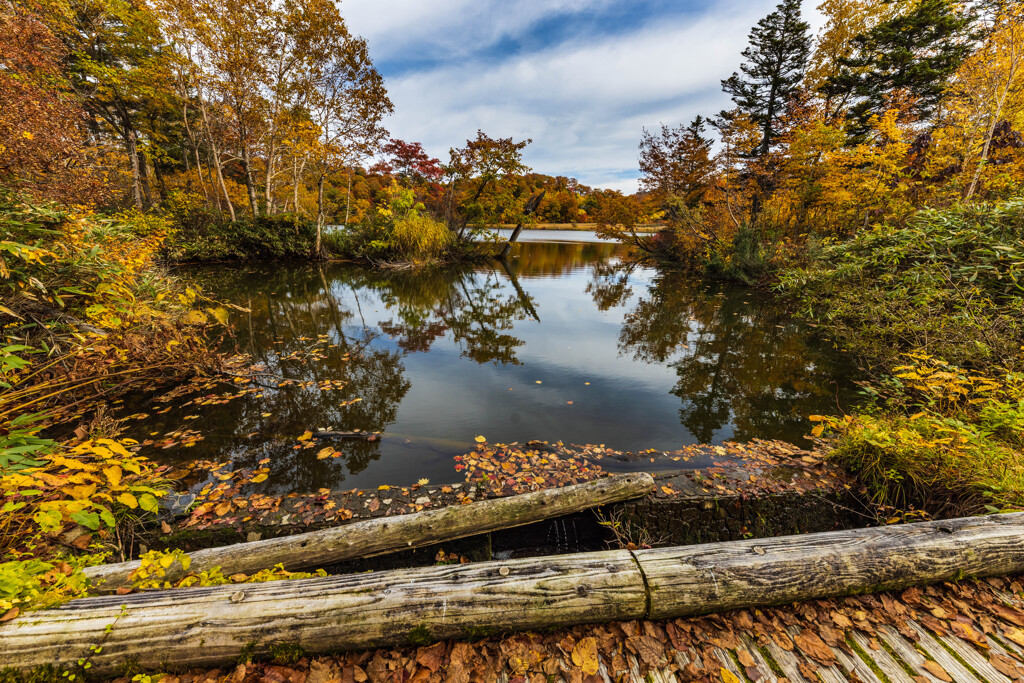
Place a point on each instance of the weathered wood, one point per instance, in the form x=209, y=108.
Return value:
x=212, y=626
x=885, y=662
x=722, y=576
x=205, y=626
x=389, y=534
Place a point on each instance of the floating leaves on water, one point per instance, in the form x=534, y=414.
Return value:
x=306, y=436
x=324, y=453
x=481, y=439
x=423, y=482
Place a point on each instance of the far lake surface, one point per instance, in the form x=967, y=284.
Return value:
x=571, y=342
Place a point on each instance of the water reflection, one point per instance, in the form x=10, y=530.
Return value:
x=566, y=341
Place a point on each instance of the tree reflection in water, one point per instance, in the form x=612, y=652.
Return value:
x=741, y=361
x=435, y=356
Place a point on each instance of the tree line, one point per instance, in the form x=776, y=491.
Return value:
x=898, y=104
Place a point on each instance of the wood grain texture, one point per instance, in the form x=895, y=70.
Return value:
x=389, y=534
x=692, y=580
x=211, y=626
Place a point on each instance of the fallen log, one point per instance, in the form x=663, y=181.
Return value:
x=328, y=434
x=213, y=626
x=390, y=534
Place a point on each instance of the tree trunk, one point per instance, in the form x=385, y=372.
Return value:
x=348, y=197
x=531, y=206
x=215, y=158
x=133, y=157
x=390, y=534
x=319, y=212
x=250, y=186
x=214, y=626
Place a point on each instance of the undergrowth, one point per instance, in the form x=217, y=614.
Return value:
x=935, y=311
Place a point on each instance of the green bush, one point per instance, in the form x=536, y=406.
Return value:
x=400, y=231
x=199, y=237
x=948, y=285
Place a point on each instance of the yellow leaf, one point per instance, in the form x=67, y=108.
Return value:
x=584, y=655
x=195, y=317
x=128, y=499
x=306, y=436
x=383, y=487
x=481, y=439
x=1016, y=635
x=818, y=429
x=113, y=474
x=728, y=676
x=220, y=314
x=324, y=453
x=258, y=478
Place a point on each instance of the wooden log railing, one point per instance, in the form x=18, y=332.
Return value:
x=213, y=626
x=384, y=535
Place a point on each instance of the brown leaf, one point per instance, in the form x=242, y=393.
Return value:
x=1009, y=614
x=650, y=650
x=813, y=646
x=10, y=614
x=1005, y=665
x=165, y=527
x=935, y=670
x=431, y=657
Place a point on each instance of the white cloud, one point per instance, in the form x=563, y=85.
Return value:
x=583, y=102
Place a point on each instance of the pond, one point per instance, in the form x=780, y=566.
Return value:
x=569, y=341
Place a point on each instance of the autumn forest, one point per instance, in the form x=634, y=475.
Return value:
x=230, y=292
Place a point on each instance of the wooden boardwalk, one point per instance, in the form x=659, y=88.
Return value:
x=965, y=632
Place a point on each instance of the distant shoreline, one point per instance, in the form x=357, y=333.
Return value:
x=580, y=227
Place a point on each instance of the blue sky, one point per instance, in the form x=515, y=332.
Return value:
x=582, y=78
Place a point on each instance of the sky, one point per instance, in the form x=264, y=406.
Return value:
x=581, y=78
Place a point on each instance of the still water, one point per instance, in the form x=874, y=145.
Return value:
x=571, y=341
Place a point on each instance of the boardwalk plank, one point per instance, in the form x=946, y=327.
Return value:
x=767, y=675
x=728, y=663
x=909, y=654
x=853, y=664
x=976, y=660
x=941, y=655
x=787, y=662
x=888, y=665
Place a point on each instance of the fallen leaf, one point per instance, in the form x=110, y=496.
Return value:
x=1016, y=635
x=584, y=655
x=324, y=453
x=10, y=614
x=481, y=439
x=728, y=676
x=935, y=670
x=306, y=436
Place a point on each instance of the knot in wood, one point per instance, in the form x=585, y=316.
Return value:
x=503, y=571
x=757, y=550
x=237, y=596
x=582, y=590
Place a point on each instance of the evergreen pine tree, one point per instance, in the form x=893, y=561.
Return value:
x=915, y=52
x=776, y=61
